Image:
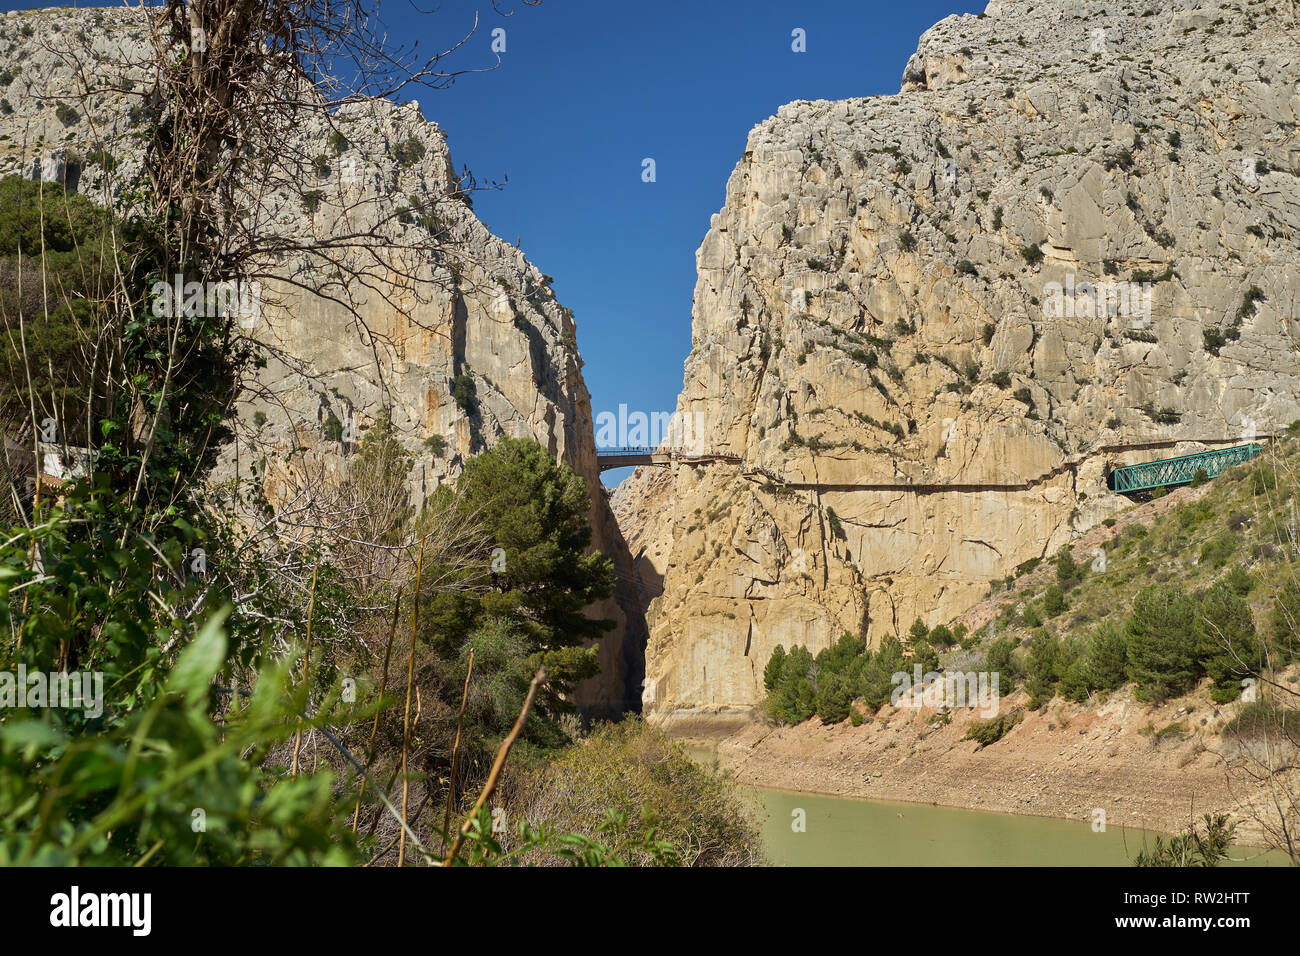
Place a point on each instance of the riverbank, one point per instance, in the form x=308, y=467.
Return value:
x=1153, y=768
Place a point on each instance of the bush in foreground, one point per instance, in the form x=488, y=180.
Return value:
x=638, y=770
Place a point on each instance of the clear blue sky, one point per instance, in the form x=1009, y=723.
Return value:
x=586, y=90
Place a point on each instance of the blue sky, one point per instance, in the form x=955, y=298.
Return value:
x=587, y=90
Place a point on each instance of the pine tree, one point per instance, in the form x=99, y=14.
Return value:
x=535, y=510
x=1000, y=662
x=877, y=686
x=775, y=665
x=1041, y=674
x=1230, y=650
x=1106, y=658
x=1053, y=601
x=1162, y=637
x=1284, y=624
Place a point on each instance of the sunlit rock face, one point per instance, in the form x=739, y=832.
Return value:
x=342, y=354
x=1072, y=241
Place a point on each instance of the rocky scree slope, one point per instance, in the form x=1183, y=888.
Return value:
x=922, y=322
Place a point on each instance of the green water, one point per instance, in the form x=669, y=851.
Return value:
x=841, y=831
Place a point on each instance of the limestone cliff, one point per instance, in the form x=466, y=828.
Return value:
x=339, y=356
x=927, y=324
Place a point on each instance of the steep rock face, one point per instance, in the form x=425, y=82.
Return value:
x=484, y=314
x=928, y=324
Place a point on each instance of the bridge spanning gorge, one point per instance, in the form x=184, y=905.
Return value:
x=1125, y=480
x=634, y=455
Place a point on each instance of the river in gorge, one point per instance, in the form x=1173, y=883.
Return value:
x=804, y=829
x=842, y=831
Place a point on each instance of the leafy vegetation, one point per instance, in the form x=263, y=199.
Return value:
x=687, y=808
x=1193, y=848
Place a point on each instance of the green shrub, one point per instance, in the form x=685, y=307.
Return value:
x=332, y=429
x=1239, y=581
x=649, y=779
x=987, y=732
x=102, y=158
x=1191, y=849
x=1053, y=601
x=1216, y=551
x=464, y=393
x=941, y=637
x=837, y=529
x=1033, y=255
x=408, y=151
x=1262, y=479
x=1027, y=566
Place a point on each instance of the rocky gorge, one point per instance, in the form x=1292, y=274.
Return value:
x=926, y=326
x=482, y=322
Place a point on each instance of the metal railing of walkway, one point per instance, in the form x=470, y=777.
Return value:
x=1165, y=472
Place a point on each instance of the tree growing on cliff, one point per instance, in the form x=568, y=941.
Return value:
x=541, y=573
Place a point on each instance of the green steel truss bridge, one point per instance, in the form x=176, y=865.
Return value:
x=1179, y=471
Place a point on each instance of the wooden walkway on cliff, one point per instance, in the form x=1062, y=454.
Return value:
x=1127, y=479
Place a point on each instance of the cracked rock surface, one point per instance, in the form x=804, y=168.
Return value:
x=488, y=314
x=929, y=323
